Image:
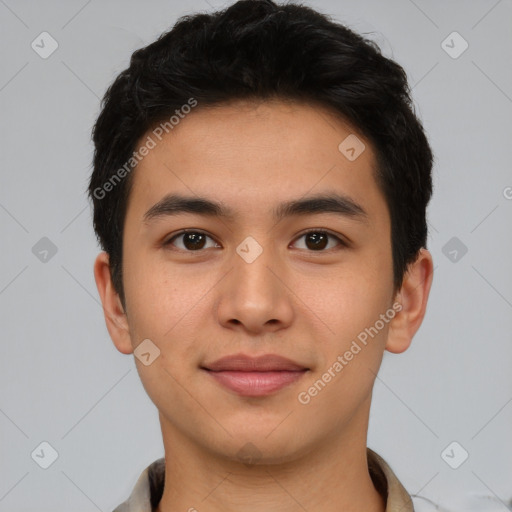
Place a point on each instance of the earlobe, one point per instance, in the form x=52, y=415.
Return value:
x=412, y=297
x=115, y=317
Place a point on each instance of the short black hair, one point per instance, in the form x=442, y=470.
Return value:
x=260, y=50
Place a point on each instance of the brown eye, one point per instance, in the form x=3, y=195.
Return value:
x=191, y=240
x=318, y=240
x=194, y=241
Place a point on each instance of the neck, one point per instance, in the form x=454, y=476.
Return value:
x=331, y=477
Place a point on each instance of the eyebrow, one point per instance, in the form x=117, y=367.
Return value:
x=175, y=204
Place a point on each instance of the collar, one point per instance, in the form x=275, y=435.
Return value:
x=149, y=487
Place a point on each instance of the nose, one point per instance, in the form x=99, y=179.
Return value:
x=254, y=296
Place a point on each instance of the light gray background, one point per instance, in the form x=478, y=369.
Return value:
x=63, y=381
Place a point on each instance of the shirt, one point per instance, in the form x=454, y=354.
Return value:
x=149, y=488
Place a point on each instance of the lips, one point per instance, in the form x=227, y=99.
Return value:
x=244, y=363
x=255, y=376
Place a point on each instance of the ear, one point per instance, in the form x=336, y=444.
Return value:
x=412, y=297
x=115, y=317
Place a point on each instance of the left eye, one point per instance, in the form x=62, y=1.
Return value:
x=193, y=241
x=318, y=239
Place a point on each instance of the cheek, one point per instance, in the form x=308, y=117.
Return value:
x=165, y=308
x=149, y=299
x=165, y=302
x=350, y=358
x=351, y=302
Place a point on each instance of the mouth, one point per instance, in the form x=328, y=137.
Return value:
x=255, y=376
x=256, y=383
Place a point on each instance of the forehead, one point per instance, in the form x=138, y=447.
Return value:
x=254, y=155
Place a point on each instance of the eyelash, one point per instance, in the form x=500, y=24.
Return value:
x=342, y=243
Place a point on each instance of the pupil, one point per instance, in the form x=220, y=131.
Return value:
x=195, y=238
x=319, y=240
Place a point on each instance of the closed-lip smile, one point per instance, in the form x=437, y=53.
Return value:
x=263, y=363
x=255, y=376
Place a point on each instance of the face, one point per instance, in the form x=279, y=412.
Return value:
x=305, y=285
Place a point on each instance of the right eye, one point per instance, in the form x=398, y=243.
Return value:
x=192, y=240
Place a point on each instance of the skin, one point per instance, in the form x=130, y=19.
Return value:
x=303, y=303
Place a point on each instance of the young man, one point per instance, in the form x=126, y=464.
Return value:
x=259, y=188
